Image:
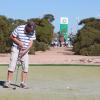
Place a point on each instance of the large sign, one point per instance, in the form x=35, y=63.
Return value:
x=64, y=27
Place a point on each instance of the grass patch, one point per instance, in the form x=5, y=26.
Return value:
x=50, y=83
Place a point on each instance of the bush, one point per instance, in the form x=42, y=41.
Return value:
x=94, y=50
x=40, y=46
x=87, y=41
x=32, y=50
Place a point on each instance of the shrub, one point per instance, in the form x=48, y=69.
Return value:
x=87, y=41
x=40, y=46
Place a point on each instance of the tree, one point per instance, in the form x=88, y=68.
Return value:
x=87, y=40
x=44, y=31
x=49, y=17
x=4, y=34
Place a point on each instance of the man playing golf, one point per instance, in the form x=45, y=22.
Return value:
x=22, y=38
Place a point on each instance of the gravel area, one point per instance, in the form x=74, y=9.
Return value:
x=57, y=55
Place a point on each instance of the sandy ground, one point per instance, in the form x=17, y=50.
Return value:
x=57, y=55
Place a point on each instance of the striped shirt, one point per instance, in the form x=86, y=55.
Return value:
x=19, y=33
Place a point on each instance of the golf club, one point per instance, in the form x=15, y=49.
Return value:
x=17, y=64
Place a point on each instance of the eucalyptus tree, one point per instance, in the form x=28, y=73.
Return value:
x=87, y=40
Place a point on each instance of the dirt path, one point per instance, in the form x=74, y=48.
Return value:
x=59, y=55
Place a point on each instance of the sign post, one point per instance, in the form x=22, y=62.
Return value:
x=64, y=27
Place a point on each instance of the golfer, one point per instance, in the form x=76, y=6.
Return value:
x=22, y=38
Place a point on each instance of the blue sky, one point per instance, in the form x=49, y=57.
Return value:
x=75, y=10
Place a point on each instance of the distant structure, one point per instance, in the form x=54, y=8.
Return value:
x=63, y=31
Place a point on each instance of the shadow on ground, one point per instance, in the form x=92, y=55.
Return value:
x=2, y=83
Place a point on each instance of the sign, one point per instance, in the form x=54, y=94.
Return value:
x=64, y=27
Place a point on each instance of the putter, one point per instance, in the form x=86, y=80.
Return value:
x=17, y=64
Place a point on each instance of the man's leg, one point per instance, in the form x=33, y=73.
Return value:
x=23, y=76
x=23, y=80
x=9, y=79
x=9, y=76
x=24, y=73
x=12, y=65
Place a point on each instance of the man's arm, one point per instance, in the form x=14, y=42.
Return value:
x=18, y=42
x=30, y=44
x=23, y=52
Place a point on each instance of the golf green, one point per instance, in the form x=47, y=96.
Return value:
x=68, y=82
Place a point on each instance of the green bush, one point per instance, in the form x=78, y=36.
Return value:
x=32, y=50
x=84, y=51
x=87, y=41
x=91, y=51
x=44, y=31
x=40, y=46
x=94, y=50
